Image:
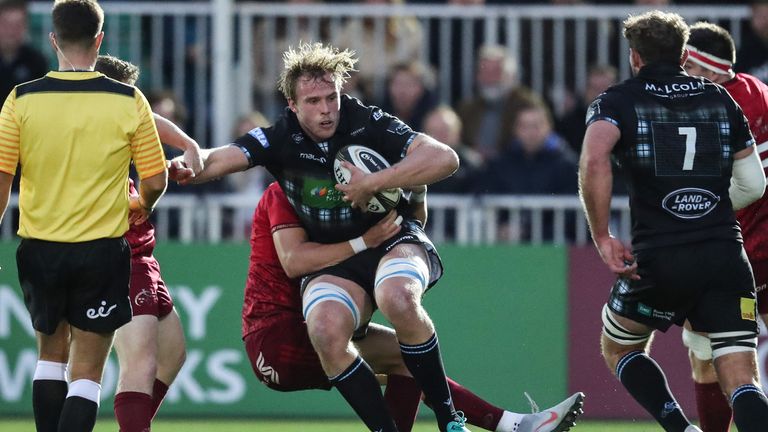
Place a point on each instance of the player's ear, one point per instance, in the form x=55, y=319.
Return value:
x=291, y=105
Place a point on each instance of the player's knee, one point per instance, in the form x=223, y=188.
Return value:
x=618, y=341
x=331, y=315
x=400, y=283
x=142, y=370
x=700, y=355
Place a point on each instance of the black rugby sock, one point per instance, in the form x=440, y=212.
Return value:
x=645, y=381
x=47, y=400
x=750, y=409
x=78, y=415
x=358, y=385
x=426, y=365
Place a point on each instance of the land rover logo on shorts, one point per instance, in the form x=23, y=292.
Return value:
x=690, y=203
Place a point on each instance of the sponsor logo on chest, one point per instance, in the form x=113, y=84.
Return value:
x=690, y=203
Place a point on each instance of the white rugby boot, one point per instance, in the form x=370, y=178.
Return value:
x=559, y=418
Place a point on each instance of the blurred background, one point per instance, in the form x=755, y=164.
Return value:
x=506, y=83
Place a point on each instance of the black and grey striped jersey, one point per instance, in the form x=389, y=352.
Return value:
x=678, y=138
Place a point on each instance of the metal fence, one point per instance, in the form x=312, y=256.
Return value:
x=222, y=59
x=461, y=219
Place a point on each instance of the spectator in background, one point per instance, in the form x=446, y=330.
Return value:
x=535, y=160
x=488, y=116
x=379, y=46
x=410, y=93
x=19, y=61
x=753, y=54
x=443, y=124
x=269, y=43
x=571, y=126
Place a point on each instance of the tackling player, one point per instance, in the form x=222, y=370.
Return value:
x=711, y=54
x=393, y=277
x=276, y=338
x=150, y=349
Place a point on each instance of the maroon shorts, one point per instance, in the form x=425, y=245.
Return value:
x=149, y=295
x=760, y=270
x=283, y=357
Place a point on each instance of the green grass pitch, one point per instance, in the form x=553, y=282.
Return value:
x=322, y=425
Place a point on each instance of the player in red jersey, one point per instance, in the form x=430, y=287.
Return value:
x=711, y=54
x=151, y=348
x=275, y=333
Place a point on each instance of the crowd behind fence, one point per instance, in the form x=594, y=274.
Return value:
x=207, y=52
x=221, y=60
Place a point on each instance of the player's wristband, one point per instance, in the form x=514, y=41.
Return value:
x=358, y=244
x=419, y=197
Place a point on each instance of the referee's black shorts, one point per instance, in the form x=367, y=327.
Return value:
x=85, y=283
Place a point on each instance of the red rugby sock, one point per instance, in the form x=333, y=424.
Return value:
x=478, y=411
x=133, y=411
x=402, y=396
x=714, y=412
x=158, y=394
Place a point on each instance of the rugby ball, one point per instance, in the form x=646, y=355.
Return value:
x=369, y=161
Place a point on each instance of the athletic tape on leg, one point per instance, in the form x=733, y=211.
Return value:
x=413, y=269
x=322, y=292
x=48, y=370
x=617, y=333
x=732, y=342
x=85, y=389
x=698, y=344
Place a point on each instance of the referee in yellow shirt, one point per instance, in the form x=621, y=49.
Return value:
x=74, y=133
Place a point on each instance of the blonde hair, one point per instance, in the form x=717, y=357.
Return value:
x=314, y=60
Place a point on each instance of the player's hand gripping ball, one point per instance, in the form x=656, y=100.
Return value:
x=369, y=161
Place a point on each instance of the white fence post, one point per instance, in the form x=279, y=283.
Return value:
x=222, y=92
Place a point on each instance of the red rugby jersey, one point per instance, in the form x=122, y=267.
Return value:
x=141, y=238
x=752, y=95
x=268, y=290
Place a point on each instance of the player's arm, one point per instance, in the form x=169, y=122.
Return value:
x=149, y=160
x=427, y=161
x=217, y=163
x=9, y=149
x=6, y=180
x=747, y=179
x=175, y=137
x=595, y=187
x=418, y=202
x=299, y=256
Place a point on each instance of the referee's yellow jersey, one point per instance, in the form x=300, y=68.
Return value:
x=74, y=135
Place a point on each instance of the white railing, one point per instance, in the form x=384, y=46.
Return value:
x=222, y=58
x=462, y=219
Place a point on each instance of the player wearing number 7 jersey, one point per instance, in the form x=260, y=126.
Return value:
x=689, y=160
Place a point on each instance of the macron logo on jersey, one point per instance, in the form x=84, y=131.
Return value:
x=259, y=135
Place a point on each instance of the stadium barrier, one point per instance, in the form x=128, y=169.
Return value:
x=222, y=58
x=489, y=320
x=460, y=219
